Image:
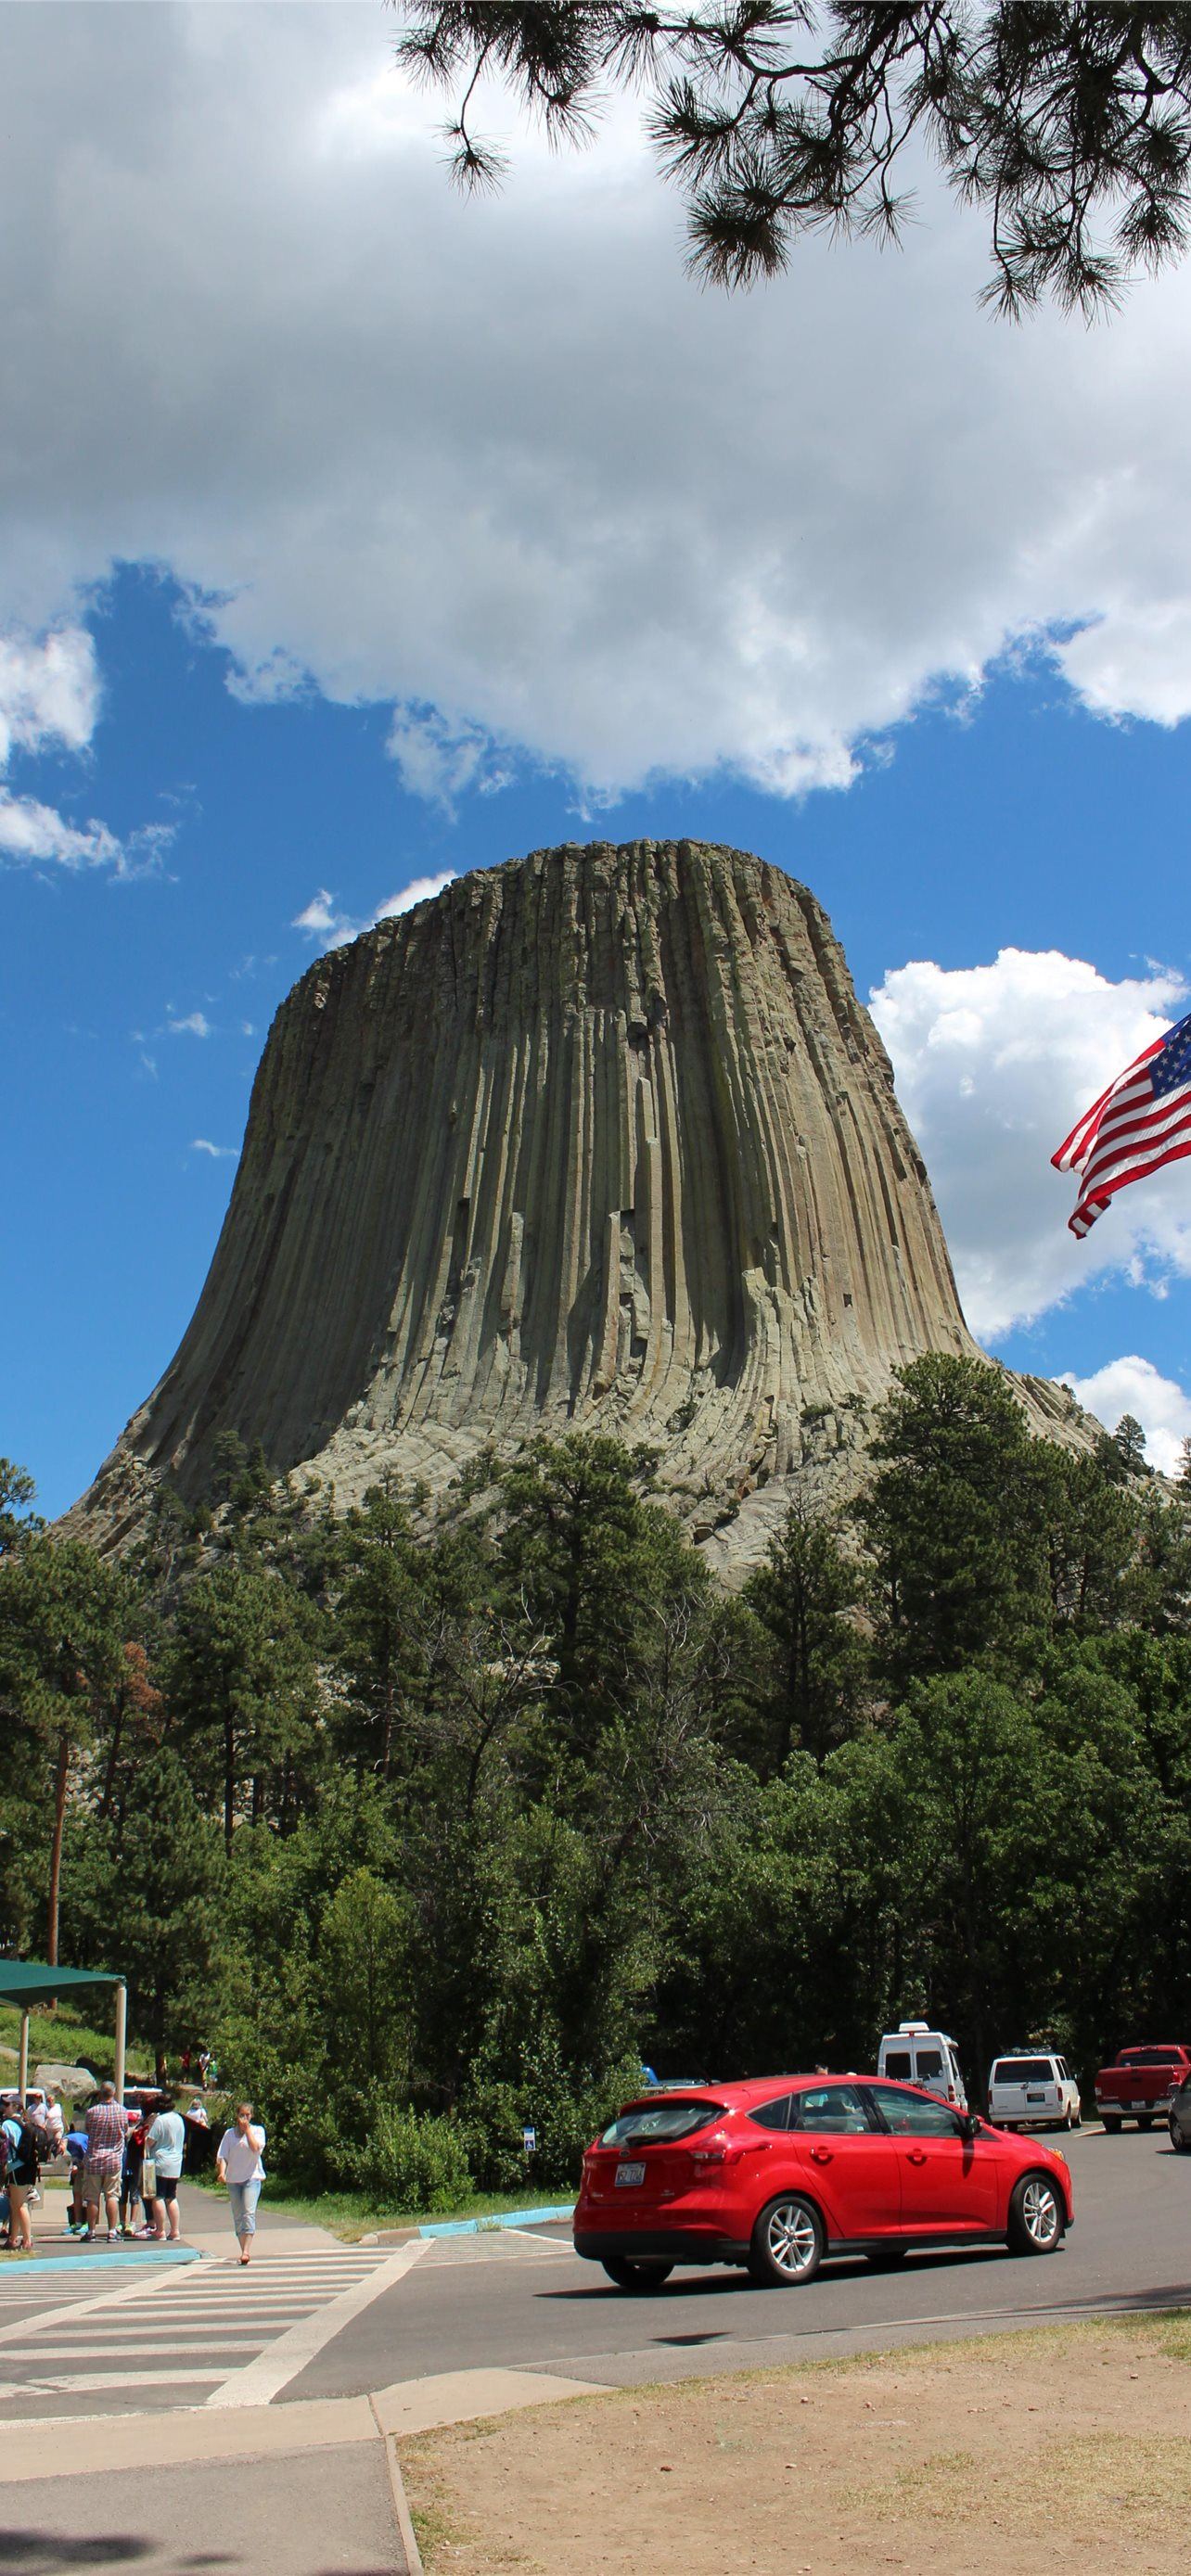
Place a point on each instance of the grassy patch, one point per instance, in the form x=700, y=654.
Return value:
x=1136, y=2479
x=58, y=2037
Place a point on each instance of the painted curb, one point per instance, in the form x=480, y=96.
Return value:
x=39, y=2263
x=499, y=2218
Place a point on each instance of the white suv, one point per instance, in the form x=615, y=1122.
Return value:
x=1033, y=2092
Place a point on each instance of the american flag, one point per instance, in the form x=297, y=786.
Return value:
x=1142, y=1121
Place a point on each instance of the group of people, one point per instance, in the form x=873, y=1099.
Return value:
x=208, y=2068
x=122, y=2159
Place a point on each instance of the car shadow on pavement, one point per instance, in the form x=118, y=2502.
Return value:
x=732, y=2281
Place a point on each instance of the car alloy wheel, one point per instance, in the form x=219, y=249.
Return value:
x=1036, y=2219
x=787, y=2243
x=1177, y=2136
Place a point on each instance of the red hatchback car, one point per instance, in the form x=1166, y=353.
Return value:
x=776, y=2173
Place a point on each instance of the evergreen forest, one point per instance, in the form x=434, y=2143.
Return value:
x=433, y=1830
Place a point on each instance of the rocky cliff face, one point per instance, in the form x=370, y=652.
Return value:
x=598, y=1139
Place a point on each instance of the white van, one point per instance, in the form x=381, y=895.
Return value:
x=1033, y=2089
x=916, y=2054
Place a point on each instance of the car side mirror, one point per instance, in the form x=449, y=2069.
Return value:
x=969, y=2125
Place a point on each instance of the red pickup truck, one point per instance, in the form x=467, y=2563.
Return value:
x=1139, y=2084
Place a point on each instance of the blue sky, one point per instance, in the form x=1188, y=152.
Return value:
x=343, y=575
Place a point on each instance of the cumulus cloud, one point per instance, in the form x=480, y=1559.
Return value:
x=419, y=890
x=1135, y=1386
x=49, y=691
x=195, y=1025
x=29, y=830
x=333, y=929
x=49, y=697
x=440, y=759
x=993, y=1066
x=528, y=483
x=320, y=918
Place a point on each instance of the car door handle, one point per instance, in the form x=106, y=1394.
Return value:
x=821, y=2155
x=916, y=2155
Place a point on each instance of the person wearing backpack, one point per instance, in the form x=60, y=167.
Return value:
x=10, y=2133
x=20, y=2177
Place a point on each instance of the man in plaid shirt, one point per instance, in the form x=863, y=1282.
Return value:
x=107, y=2124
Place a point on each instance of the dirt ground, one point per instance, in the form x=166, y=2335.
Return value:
x=991, y=2458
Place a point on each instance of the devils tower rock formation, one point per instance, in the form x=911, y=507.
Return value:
x=598, y=1139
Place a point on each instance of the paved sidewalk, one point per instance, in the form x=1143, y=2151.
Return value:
x=315, y=2512
x=206, y=2225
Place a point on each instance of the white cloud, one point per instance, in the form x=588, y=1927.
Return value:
x=420, y=890
x=49, y=696
x=525, y=481
x=1135, y=1386
x=219, y=1153
x=49, y=691
x=320, y=915
x=441, y=760
x=30, y=831
x=993, y=1066
x=195, y=1025
x=333, y=929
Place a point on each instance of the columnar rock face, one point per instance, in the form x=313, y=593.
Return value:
x=598, y=1139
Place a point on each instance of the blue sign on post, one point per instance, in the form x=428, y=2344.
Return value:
x=529, y=2140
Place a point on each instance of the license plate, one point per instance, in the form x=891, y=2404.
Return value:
x=1035, y=2097
x=630, y=2174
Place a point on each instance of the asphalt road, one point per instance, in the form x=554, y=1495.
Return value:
x=314, y=2320
x=528, y=2301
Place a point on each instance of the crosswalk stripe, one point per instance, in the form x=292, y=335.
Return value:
x=97, y=2379
x=264, y=2378
x=209, y=2328
x=104, y=2300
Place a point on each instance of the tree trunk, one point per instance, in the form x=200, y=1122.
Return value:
x=61, y=1776
x=109, y=1785
x=229, y=1777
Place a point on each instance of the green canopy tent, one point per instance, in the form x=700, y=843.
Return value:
x=26, y=1982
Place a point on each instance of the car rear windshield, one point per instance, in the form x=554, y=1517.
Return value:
x=898, y=2061
x=658, y=2123
x=1151, y=2057
x=1023, y=2070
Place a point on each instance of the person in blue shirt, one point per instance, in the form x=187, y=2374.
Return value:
x=12, y=2139
x=21, y=2175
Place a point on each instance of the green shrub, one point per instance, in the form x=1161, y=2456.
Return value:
x=410, y=2160
x=565, y=2118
